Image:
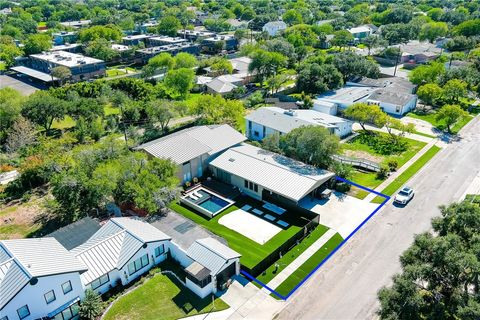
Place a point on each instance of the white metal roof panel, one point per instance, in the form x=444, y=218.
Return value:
x=188, y=144
x=211, y=254
x=34, y=73
x=12, y=277
x=43, y=256
x=142, y=230
x=287, y=177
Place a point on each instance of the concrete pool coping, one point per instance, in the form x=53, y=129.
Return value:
x=185, y=200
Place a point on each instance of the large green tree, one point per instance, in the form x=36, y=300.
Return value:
x=214, y=109
x=440, y=271
x=37, y=43
x=364, y=114
x=450, y=114
x=352, y=65
x=318, y=78
x=178, y=83
x=42, y=108
x=266, y=64
x=313, y=145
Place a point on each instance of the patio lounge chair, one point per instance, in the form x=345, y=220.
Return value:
x=257, y=212
x=246, y=207
x=197, y=194
x=283, y=223
x=269, y=217
x=193, y=197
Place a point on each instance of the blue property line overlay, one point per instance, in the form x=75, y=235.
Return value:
x=281, y=296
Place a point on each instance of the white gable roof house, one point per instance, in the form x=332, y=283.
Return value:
x=38, y=278
x=274, y=27
x=280, y=177
x=192, y=148
x=119, y=251
x=269, y=120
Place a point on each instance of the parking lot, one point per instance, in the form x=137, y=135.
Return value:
x=22, y=85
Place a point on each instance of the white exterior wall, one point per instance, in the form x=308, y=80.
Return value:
x=179, y=255
x=392, y=108
x=325, y=109
x=272, y=30
x=123, y=274
x=240, y=184
x=343, y=129
x=201, y=292
x=33, y=296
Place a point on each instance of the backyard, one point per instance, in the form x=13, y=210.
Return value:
x=364, y=147
x=161, y=297
x=252, y=252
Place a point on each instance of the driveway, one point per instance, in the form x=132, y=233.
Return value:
x=22, y=85
x=183, y=231
x=421, y=125
x=340, y=212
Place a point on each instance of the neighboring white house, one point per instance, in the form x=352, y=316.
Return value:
x=39, y=278
x=192, y=149
x=260, y=173
x=122, y=250
x=274, y=27
x=270, y=120
x=392, y=97
x=213, y=265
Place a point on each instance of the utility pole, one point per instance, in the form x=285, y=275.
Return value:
x=396, y=61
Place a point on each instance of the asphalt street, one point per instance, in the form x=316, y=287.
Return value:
x=346, y=286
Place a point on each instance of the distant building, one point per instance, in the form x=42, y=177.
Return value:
x=417, y=52
x=361, y=32
x=6, y=11
x=73, y=47
x=82, y=68
x=165, y=40
x=224, y=84
x=219, y=42
x=76, y=24
x=194, y=35
x=173, y=49
x=273, y=28
x=135, y=40
x=266, y=121
x=193, y=148
x=64, y=37
x=393, y=95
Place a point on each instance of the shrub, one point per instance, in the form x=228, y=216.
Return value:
x=342, y=187
x=392, y=164
x=383, y=173
x=382, y=144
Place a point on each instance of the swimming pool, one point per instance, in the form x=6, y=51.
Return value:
x=206, y=201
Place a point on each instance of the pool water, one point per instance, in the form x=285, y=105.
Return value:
x=213, y=204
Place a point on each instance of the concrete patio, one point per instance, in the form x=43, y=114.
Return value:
x=340, y=212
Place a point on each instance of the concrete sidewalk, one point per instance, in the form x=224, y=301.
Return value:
x=295, y=264
x=397, y=173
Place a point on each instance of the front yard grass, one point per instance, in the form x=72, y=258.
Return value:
x=308, y=266
x=291, y=255
x=430, y=117
x=370, y=179
x=161, y=297
x=407, y=174
x=251, y=251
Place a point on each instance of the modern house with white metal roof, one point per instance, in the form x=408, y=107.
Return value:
x=260, y=173
x=266, y=121
x=193, y=148
x=39, y=278
x=122, y=250
x=213, y=264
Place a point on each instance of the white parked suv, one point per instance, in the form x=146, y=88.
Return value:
x=404, y=196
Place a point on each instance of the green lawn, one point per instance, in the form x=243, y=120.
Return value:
x=430, y=117
x=407, y=174
x=119, y=70
x=161, y=297
x=369, y=179
x=252, y=252
x=309, y=265
x=291, y=255
x=66, y=123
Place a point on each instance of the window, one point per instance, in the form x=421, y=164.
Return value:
x=255, y=187
x=23, y=312
x=68, y=313
x=138, y=264
x=99, y=282
x=256, y=134
x=49, y=296
x=246, y=183
x=159, y=250
x=67, y=287
x=250, y=185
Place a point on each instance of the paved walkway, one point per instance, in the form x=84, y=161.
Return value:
x=295, y=264
x=395, y=175
x=474, y=187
